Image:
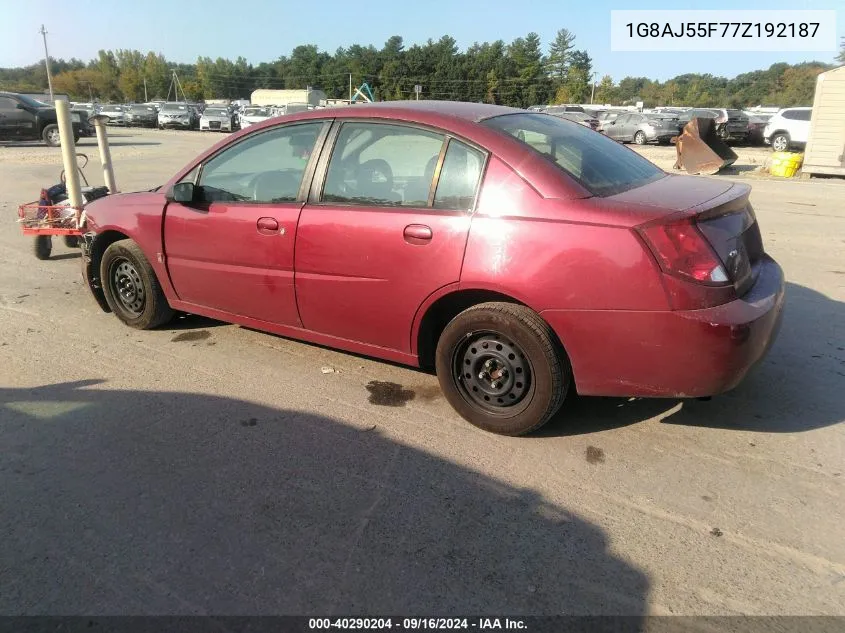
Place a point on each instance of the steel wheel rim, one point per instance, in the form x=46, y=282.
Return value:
x=127, y=286
x=780, y=143
x=53, y=135
x=493, y=374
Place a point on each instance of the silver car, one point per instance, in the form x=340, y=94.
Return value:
x=175, y=115
x=216, y=119
x=115, y=113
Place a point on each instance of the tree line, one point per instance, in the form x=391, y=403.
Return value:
x=520, y=73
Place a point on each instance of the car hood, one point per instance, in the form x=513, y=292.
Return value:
x=215, y=117
x=674, y=192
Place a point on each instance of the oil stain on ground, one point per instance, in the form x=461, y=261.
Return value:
x=389, y=394
x=595, y=455
x=196, y=335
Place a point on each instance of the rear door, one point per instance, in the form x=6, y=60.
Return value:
x=385, y=226
x=8, y=107
x=799, y=124
x=232, y=249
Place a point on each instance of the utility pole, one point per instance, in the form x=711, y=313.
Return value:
x=350, y=88
x=593, y=93
x=145, y=91
x=47, y=62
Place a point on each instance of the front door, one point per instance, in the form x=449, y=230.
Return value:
x=232, y=249
x=385, y=226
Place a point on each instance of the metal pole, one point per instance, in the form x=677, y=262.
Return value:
x=593, y=93
x=74, y=189
x=145, y=90
x=350, y=88
x=105, y=154
x=47, y=62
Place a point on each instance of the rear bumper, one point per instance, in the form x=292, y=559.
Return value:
x=672, y=353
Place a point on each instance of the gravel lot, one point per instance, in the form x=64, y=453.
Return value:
x=207, y=468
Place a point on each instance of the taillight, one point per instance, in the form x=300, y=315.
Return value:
x=682, y=250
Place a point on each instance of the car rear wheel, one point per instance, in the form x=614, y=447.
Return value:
x=780, y=142
x=131, y=287
x=639, y=138
x=500, y=368
x=50, y=134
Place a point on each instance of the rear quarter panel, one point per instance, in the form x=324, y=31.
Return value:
x=557, y=254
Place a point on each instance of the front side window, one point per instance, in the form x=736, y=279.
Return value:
x=266, y=167
x=459, y=177
x=376, y=164
x=600, y=164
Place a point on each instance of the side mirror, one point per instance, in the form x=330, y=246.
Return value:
x=181, y=192
x=20, y=106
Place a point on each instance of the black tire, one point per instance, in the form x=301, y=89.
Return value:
x=519, y=344
x=131, y=287
x=50, y=134
x=71, y=241
x=780, y=142
x=639, y=138
x=43, y=246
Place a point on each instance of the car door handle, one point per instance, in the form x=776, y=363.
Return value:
x=267, y=226
x=417, y=234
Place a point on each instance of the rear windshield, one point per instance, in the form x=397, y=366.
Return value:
x=601, y=165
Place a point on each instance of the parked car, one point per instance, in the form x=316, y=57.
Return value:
x=217, y=118
x=142, y=115
x=605, y=117
x=580, y=118
x=115, y=113
x=642, y=128
x=253, y=115
x=176, y=115
x=756, y=126
x=23, y=118
x=400, y=230
x=559, y=109
x=790, y=127
x=731, y=125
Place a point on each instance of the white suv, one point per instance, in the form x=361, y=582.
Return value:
x=789, y=127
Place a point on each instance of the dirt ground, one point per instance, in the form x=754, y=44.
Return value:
x=207, y=468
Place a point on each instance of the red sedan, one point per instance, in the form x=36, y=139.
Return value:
x=518, y=254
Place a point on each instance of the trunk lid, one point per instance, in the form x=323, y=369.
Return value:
x=730, y=225
x=722, y=212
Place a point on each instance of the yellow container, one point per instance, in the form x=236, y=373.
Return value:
x=785, y=164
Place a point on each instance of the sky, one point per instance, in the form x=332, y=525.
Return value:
x=263, y=30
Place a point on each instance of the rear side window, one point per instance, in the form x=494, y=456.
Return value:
x=458, y=177
x=797, y=115
x=600, y=164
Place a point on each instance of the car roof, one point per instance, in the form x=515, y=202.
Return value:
x=457, y=109
x=457, y=118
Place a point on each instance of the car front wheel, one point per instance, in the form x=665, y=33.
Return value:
x=131, y=287
x=639, y=138
x=780, y=142
x=501, y=369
